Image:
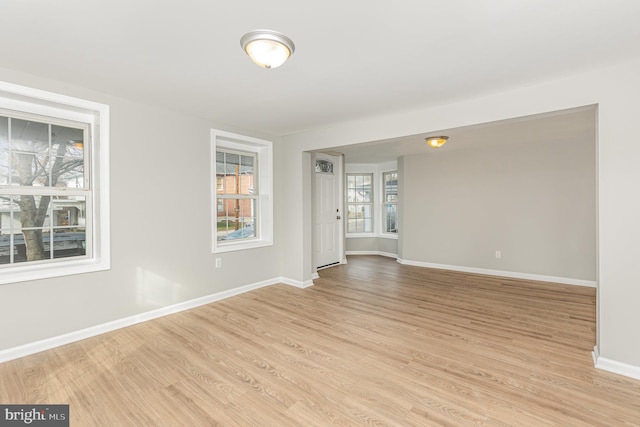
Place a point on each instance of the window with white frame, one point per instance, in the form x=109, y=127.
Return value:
x=390, y=202
x=242, y=184
x=359, y=203
x=238, y=196
x=53, y=211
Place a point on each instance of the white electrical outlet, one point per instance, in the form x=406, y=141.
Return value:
x=218, y=262
x=498, y=254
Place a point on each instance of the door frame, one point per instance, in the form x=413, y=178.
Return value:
x=338, y=160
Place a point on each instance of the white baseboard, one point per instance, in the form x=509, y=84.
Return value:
x=502, y=273
x=49, y=343
x=614, y=366
x=387, y=254
x=297, y=283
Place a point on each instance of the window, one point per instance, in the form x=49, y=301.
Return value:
x=390, y=202
x=53, y=212
x=238, y=196
x=359, y=203
x=243, y=185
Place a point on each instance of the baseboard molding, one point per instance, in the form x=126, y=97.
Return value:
x=502, y=273
x=297, y=283
x=49, y=343
x=614, y=366
x=386, y=254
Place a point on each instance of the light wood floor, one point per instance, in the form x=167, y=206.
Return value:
x=372, y=343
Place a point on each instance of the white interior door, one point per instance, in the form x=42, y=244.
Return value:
x=327, y=236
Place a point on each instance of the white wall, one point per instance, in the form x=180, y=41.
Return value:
x=533, y=198
x=615, y=89
x=160, y=228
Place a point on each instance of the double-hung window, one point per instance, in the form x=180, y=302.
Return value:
x=237, y=196
x=242, y=192
x=359, y=203
x=53, y=171
x=390, y=202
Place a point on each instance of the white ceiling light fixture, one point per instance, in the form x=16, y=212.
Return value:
x=267, y=48
x=436, y=141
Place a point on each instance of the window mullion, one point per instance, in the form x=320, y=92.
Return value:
x=10, y=144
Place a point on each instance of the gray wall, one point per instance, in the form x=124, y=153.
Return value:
x=160, y=228
x=372, y=244
x=533, y=200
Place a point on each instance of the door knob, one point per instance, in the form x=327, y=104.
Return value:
x=338, y=217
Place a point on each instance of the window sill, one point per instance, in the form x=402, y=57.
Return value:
x=372, y=235
x=52, y=269
x=360, y=235
x=239, y=246
x=393, y=236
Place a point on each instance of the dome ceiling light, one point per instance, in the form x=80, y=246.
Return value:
x=267, y=48
x=436, y=141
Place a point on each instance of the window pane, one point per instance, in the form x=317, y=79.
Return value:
x=28, y=220
x=68, y=243
x=391, y=212
x=359, y=203
x=7, y=225
x=351, y=218
x=220, y=168
x=32, y=210
x=68, y=212
x=18, y=246
x=68, y=149
x=31, y=245
x=7, y=207
x=238, y=220
x=246, y=170
x=391, y=187
x=366, y=211
x=235, y=173
x=6, y=248
x=31, y=160
x=359, y=218
x=29, y=136
x=29, y=153
x=30, y=216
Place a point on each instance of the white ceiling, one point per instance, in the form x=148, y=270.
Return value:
x=353, y=58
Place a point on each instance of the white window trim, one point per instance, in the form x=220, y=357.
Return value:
x=378, y=170
x=264, y=226
x=374, y=213
x=36, y=101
